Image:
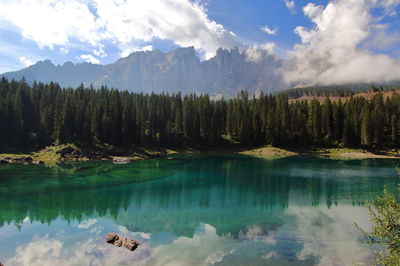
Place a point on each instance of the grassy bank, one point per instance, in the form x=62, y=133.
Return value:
x=269, y=152
x=346, y=153
x=71, y=152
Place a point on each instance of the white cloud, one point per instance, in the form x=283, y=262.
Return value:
x=10, y=56
x=89, y=58
x=389, y=5
x=51, y=22
x=100, y=51
x=256, y=53
x=331, y=52
x=125, y=23
x=290, y=5
x=128, y=51
x=25, y=61
x=64, y=50
x=181, y=21
x=380, y=38
x=270, y=31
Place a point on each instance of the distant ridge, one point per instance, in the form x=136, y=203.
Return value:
x=179, y=70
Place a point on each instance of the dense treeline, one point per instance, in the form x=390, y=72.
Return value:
x=42, y=114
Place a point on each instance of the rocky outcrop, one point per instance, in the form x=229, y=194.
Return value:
x=74, y=154
x=121, y=241
x=66, y=151
x=121, y=160
x=228, y=72
x=23, y=160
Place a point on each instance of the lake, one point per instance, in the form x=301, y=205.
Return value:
x=192, y=210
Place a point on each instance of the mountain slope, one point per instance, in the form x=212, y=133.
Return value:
x=179, y=70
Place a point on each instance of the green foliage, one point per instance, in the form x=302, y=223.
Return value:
x=385, y=217
x=43, y=114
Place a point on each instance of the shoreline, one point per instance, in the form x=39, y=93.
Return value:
x=70, y=152
x=270, y=152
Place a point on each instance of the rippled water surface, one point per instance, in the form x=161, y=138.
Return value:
x=192, y=210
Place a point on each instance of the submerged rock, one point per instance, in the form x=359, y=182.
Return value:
x=121, y=241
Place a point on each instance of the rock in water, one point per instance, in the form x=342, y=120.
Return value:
x=121, y=160
x=121, y=241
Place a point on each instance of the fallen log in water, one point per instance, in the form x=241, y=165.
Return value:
x=121, y=241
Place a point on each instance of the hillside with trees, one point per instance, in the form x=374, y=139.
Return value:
x=43, y=114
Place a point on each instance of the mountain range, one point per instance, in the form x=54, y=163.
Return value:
x=180, y=70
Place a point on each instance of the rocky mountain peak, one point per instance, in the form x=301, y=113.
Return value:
x=155, y=71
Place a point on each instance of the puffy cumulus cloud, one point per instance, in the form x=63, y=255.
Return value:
x=26, y=61
x=124, y=23
x=270, y=31
x=258, y=52
x=332, y=51
x=184, y=22
x=89, y=58
x=51, y=22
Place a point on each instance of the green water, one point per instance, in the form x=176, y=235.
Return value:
x=193, y=210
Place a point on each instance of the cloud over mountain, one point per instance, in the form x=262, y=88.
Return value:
x=130, y=25
x=333, y=51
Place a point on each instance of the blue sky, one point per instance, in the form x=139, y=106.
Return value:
x=101, y=31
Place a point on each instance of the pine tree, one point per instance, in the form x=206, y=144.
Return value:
x=366, y=136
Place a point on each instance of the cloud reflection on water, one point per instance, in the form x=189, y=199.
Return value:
x=318, y=236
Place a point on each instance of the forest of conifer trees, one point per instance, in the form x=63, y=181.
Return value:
x=44, y=114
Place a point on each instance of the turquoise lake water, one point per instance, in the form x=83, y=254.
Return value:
x=192, y=210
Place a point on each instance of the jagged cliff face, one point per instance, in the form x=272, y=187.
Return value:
x=180, y=70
